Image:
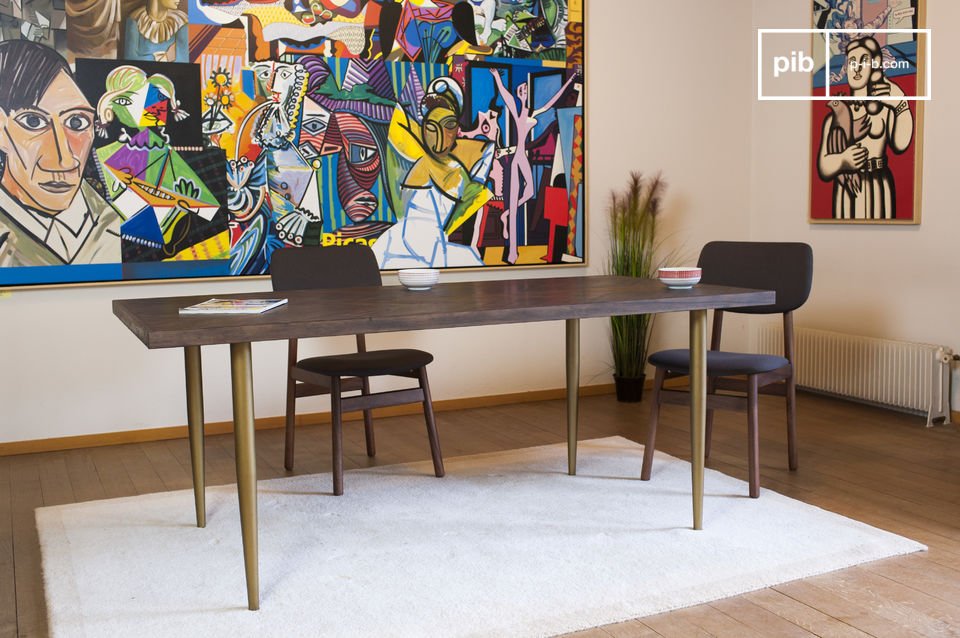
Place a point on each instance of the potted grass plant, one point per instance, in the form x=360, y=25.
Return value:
x=633, y=243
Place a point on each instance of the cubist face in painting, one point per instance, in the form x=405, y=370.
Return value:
x=136, y=100
x=284, y=85
x=360, y=157
x=440, y=130
x=46, y=147
x=146, y=106
x=489, y=127
x=441, y=109
x=279, y=79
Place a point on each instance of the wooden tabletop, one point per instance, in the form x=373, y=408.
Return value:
x=321, y=313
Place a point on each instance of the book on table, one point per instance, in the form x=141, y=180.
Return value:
x=232, y=306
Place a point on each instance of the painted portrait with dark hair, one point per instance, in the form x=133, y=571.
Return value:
x=49, y=215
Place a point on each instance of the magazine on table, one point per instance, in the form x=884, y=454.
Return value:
x=232, y=306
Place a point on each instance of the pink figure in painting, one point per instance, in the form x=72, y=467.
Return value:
x=524, y=121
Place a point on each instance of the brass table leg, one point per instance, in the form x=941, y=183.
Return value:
x=241, y=372
x=698, y=407
x=573, y=392
x=194, y=377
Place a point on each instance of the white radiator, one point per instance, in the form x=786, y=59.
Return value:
x=914, y=377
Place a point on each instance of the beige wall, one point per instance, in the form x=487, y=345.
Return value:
x=654, y=104
x=736, y=168
x=71, y=368
x=897, y=282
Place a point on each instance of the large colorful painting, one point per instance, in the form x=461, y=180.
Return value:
x=866, y=159
x=192, y=138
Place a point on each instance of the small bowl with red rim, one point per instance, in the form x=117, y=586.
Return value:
x=679, y=277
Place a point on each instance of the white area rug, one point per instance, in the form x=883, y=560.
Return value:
x=505, y=545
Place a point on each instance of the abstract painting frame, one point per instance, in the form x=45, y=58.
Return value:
x=867, y=155
x=206, y=134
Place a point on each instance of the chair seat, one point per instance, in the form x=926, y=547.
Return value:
x=366, y=364
x=719, y=363
x=347, y=265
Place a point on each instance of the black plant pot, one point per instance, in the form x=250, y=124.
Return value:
x=629, y=389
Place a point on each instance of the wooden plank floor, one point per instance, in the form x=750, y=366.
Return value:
x=873, y=465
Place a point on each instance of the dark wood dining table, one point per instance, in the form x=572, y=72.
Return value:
x=158, y=324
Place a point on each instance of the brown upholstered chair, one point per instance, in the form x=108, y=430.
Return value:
x=340, y=267
x=786, y=268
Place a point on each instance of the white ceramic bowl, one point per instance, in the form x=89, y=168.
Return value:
x=679, y=277
x=418, y=278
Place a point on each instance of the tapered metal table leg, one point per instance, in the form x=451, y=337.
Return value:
x=698, y=407
x=573, y=392
x=194, y=377
x=243, y=432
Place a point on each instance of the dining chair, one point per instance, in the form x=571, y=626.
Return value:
x=350, y=265
x=785, y=267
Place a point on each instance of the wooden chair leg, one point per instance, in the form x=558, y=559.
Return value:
x=336, y=429
x=753, y=439
x=792, y=421
x=431, y=424
x=652, y=424
x=289, y=425
x=368, y=422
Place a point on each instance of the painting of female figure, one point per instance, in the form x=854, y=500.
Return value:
x=865, y=157
x=443, y=187
x=167, y=204
x=857, y=135
x=156, y=31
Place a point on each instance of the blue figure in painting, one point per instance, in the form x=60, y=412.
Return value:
x=156, y=31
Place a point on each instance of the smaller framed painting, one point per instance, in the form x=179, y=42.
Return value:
x=866, y=144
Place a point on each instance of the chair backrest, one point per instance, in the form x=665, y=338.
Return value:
x=786, y=267
x=324, y=267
